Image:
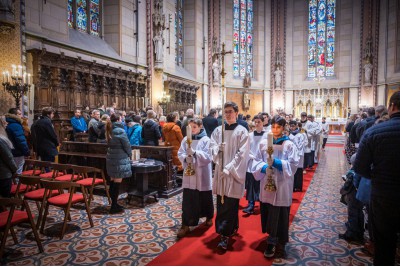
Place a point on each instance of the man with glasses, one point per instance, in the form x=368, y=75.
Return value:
x=15, y=132
x=230, y=173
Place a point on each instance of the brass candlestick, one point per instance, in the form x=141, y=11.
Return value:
x=270, y=185
x=189, y=171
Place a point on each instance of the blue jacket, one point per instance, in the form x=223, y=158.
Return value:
x=135, y=135
x=78, y=125
x=119, y=153
x=15, y=133
x=378, y=158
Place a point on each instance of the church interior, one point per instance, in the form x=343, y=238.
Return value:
x=328, y=58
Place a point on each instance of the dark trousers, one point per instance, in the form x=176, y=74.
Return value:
x=355, y=225
x=252, y=187
x=227, y=220
x=5, y=187
x=298, y=180
x=308, y=159
x=312, y=157
x=324, y=142
x=195, y=205
x=275, y=222
x=385, y=225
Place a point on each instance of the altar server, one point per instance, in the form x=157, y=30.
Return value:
x=315, y=146
x=197, y=188
x=275, y=205
x=252, y=186
x=325, y=132
x=299, y=138
x=230, y=173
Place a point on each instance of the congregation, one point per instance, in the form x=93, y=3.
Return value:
x=264, y=156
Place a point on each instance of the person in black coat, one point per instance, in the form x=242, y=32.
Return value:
x=44, y=137
x=377, y=159
x=210, y=122
x=150, y=132
x=7, y=165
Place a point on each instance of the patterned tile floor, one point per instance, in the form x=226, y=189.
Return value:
x=320, y=218
x=139, y=235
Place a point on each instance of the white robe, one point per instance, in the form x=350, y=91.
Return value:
x=301, y=141
x=325, y=130
x=267, y=129
x=202, y=180
x=308, y=127
x=236, y=156
x=254, y=147
x=288, y=154
x=316, y=140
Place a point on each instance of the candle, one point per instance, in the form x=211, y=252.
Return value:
x=29, y=78
x=24, y=78
x=189, y=133
x=14, y=70
x=270, y=139
x=20, y=71
x=8, y=76
x=4, y=77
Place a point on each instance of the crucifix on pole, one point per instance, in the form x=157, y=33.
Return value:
x=222, y=54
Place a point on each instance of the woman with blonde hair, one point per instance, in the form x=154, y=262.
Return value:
x=7, y=164
x=118, y=158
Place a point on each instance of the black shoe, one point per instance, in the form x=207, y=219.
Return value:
x=223, y=244
x=249, y=210
x=116, y=209
x=269, y=251
x=350, y=238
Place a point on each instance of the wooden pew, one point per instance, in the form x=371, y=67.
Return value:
x=94, y=154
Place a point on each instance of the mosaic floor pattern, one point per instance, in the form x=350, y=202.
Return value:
x=139, y=235
x=320, y=218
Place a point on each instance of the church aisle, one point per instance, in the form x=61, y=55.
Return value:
x=321, y=217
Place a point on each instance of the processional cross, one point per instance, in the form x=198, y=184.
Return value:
x=223, y=53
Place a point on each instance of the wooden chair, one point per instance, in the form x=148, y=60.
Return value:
x=37, y=194
x=63, y=172
x=90, y=181
x=16, y=190
x=64, y=201
x=13, y=217
x=44, y=167
x=30, y=167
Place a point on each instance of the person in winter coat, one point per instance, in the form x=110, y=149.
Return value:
x=93, y=127
x=118, y=158
x=16, y=134
x=78, y=123
x=7, y=165
x=210, y=122
x=150, y=132
x=197, y=200
x=377, y=159
x=275, y=205
x=101, y=126
x=45, y=138
x=135, y=131
x=173, y=137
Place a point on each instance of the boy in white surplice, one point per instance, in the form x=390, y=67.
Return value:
x=197, y=197
x=275, y=205
x=229, y=178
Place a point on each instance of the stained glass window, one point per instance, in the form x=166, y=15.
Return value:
x=179, y=32
x=242, y=38
x=321, y=38
x=70, y=14
x=84, y=15
x=94, y=17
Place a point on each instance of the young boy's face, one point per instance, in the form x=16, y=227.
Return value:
x=277, y=130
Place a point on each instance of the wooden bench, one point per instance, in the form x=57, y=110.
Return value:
x=94, y=155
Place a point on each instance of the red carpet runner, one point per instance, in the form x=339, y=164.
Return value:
x=246, y=248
